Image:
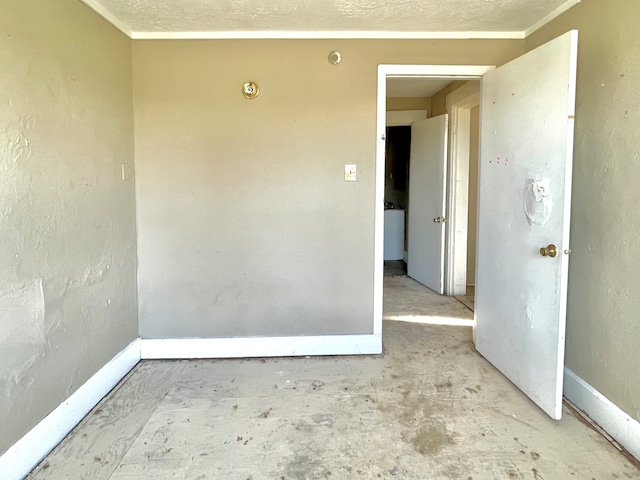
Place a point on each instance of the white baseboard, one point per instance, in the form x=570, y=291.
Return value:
x=620, y=426
x=260, y=346
x=27, y=452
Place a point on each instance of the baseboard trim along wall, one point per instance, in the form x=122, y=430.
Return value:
x=620, y=426
x=244, y=347
x=27, y=452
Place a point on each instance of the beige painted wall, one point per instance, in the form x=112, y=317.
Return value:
x=67, y=226
x=395, y=104
x=439, y=99
x=245, y=224
x=603, y=331
x=472, y=222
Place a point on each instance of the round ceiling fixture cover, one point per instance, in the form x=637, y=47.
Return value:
x=250, y=90
x=335, y=57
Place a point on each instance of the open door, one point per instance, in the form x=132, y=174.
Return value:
x=526, y=151
x=428, y=158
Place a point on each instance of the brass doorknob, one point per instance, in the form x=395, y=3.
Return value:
x=437, y=220
x=549, y=251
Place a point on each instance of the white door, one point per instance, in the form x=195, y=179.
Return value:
x=527, y=117
x=428, y=158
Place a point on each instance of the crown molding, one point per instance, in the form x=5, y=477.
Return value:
x=328, y=35
x=556, y=13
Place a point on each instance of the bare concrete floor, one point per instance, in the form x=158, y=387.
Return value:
x=429, y=408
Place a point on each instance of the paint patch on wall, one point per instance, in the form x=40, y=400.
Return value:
x=538, y=201
x=15, y=144
x=22, y=330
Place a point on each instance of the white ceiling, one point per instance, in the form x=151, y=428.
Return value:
x=329, y=18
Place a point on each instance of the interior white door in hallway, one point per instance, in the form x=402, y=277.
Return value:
x=526, y=152
x=426, y=214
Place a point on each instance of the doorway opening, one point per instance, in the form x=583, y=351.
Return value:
x=407, y=92
x=528, y=115
x=463, y=106
x=396, y=198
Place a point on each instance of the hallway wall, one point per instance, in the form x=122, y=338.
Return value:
x=396, y=104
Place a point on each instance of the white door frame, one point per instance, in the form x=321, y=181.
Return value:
x=459, y=105
x=454, y=72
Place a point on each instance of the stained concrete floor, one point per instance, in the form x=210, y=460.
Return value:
x=429, y=408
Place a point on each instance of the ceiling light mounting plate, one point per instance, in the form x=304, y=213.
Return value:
x=250, y=90
x=335, y=57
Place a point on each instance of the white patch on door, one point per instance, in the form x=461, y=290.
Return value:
x=538, y=201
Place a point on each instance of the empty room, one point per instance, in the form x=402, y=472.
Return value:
x=192, y=217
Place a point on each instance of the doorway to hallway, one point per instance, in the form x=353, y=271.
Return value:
x=523, y=154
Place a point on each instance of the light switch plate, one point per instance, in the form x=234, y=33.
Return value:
x=126, y=172
x=350, y=172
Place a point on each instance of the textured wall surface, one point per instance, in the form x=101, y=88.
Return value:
x=246, y=226
x=67, y=221
x=603, y=331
